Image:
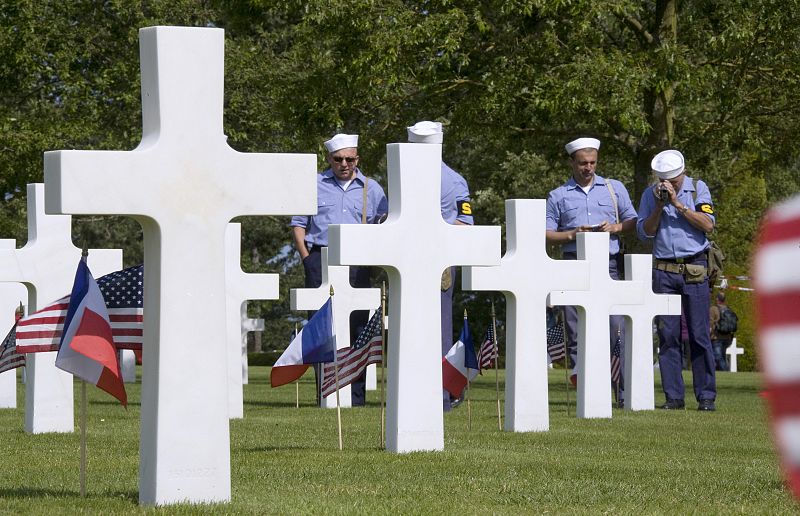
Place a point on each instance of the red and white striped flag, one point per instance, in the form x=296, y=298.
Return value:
x=353, y=361
x=10, y=357
x=777, y=287
x=488, y=351
x=123, y=292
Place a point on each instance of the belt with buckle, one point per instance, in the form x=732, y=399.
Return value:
x=675, y=268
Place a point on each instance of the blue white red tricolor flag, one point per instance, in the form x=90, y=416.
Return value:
x=316, y=343
x=460, y=364
x=488, y=352
x=777, y=289
x=123, y=292
x=353, y=361
x=87, y=345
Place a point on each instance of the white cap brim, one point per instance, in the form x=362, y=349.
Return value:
x=582, y=143
x=425, y=132
x=341, y=141
x=668, y=164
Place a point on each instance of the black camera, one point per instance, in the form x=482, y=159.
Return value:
x=663, y=195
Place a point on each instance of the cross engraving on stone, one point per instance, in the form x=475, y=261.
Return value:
x=346, y=300
x=734, y=353
x=594, y=307
x=414, y=245
x=639, y=386
x=184, y=184
x=46, y=265
x=240, y=287
x=526, y=276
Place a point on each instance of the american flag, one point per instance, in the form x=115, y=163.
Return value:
x=615, y=362
x=555, y=342
x=488, y=351
x=353, y=361
x=123, y=294
x=9, y=356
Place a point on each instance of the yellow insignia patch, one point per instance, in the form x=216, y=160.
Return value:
x=707, y=208
x=466, y=209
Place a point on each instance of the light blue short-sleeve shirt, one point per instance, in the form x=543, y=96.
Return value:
x=455, y=197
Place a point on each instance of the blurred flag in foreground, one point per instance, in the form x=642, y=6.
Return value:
x=460, y=364
x=353, y=361
x=314, y=344
x=87, y=346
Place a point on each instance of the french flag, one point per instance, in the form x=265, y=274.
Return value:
x=460, y=364
x=316, y=343
x=87, y=345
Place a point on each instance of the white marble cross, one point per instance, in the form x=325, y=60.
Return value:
x=184, y=184
x=638, y=374
x=11, y=295
x=526, y=276
x=47, y=265
x=594, y=307
x=414, y=245
x=346, y=300
x=240, y=287
x=248, y=325
x=733, y=352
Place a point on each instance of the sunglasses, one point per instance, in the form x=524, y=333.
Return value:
x=339, y=159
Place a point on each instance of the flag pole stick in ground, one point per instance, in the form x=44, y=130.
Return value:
x=466, y=391
x=83, y=438
x=382, y=443
x=336, y=379
x=297, y=382
x=566, y=361
x=496, y=349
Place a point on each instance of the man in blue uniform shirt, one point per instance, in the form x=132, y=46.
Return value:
x=456, y=209
x=344, y=196
x=675, y=214
x=589, y=202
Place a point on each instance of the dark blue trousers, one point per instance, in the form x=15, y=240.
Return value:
x=359, y=278
x=695, y=300
x=447, y=328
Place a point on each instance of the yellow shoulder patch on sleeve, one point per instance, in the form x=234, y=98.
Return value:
x=464, y=208
x=706, y=208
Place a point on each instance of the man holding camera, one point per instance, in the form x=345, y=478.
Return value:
x=676, y=213
x=588, y=202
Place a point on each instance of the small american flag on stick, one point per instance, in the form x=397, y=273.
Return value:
x=615, y=361
x=123, y=293
x=555, y=342
x=488, y=351
x=353, y=361
x=10, y=358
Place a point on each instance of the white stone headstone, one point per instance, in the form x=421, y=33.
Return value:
x=127, y=365
x=47, y=265
x=594, y=307
x=638, y=374
x=734, y=352
x=414, y=245
x=247, y=326
x=526, y=276
x=240, y=287
x=346, y=300
x=184, y=184
x=11, y=295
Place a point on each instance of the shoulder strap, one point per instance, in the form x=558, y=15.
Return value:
x=364, y=210
x=613, y=198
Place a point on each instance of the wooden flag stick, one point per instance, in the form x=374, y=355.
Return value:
x=496, y=353
x=466, y=391
x=336, y=379
x=83, y=438
x=297, y=382
x=566, y=357
x=382, y=443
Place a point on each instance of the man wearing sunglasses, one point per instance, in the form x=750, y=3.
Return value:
x=344, y=196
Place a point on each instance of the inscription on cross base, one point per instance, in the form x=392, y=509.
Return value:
x=46, y=265
x=594, y=307
x=184, y=184
x=639, y=386
x=526, y=276
x=414, y=245
x=346, y=300
x=240, y=287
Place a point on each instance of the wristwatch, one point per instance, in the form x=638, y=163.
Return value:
x=683, y=209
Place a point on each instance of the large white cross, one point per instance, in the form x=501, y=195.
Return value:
x=47, y=265
x=594, y=307
x=734, y=352
x=11, y=295
x=526, y=276
x=414, y=245
x=639, y=386
x=184, y=184
x=240, y=288
x=346, y=300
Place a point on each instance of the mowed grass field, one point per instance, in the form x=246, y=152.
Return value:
x=286, y=460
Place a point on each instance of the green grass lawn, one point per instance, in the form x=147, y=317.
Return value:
x=286, y=460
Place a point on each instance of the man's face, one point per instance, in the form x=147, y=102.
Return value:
x=344, y=162
x=676, y=182
x=583, y=163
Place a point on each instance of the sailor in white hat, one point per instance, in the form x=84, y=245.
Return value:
x=344, y=196
x=456, y=209
x=675, y=215
x=589, y=202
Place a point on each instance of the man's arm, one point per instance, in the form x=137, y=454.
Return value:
x=299, y=237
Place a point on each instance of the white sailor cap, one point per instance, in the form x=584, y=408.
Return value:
x=425, y=132
x=341, y=141
x=668, y=164
x=582, y=143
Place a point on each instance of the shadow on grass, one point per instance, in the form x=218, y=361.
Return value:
x=26, y=492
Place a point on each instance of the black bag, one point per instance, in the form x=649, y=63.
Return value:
x=728, y=321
